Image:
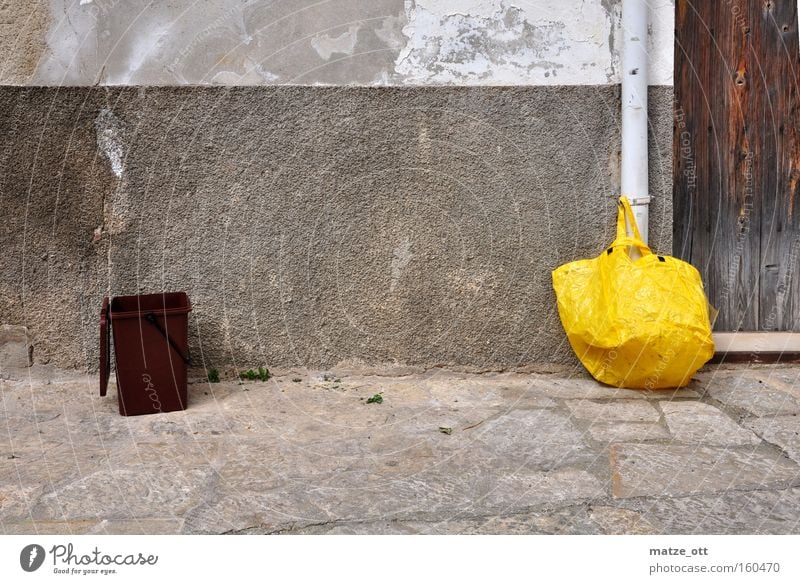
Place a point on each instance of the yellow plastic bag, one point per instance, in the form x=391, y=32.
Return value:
x=640, y=324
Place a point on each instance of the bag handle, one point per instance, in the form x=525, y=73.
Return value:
x=624, y=212
x=151, y=318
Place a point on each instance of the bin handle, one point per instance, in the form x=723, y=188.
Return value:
x=151, y=318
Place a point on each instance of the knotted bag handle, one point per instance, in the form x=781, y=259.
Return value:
x=624, y=212
x=151, y=318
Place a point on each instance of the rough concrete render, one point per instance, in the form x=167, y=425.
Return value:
x=313, y=225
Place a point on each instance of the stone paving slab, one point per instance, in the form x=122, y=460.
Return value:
x=574, y=520
x=733, y=512
x=621, y=410
x=699, y=423
x=444, y=453
x=736, y=512
x=676, y=470
x=582, y=388
x=47, y=527
x=783, y=431
x=757, y=392
x=786, y=380
x=49, y=465
x=424, y=499
x=124, y=493
x=627, y=432
x=540, y=438
x=147, y=526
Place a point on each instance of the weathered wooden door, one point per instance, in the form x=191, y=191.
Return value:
x=737, y=157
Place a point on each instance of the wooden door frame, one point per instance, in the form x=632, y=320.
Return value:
x=736, y=165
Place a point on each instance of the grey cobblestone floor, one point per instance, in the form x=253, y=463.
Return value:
x=524, y=453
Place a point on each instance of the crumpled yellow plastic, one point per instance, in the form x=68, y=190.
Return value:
x=639, y=323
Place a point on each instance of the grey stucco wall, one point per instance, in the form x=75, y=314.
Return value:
x=23, y=39
x=314, y=226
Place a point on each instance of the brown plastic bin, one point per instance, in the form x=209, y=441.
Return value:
x=151, y=351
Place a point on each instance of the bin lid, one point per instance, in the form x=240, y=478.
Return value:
x=105, y=353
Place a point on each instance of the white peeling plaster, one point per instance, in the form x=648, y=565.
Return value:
x=71, y=54
x=140, y=50
x=326, y=45
x=390, y=31
x=525, y=42
x=109, y=140
x=428, y=42
x=254, y=74
x=661, y=42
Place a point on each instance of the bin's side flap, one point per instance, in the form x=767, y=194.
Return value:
x=105, y=349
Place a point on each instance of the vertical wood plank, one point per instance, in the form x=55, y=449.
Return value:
x=775, y=38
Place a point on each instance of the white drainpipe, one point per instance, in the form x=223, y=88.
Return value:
x=634, y=110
